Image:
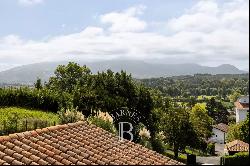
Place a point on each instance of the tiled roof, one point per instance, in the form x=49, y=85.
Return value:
x=76, y=143
x=239, y=105
x=237, y=146
x=221, y=126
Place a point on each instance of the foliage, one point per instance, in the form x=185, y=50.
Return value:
x=241, y=158
x=177, y=129
x=158, y=145
x=201, y=122
x=38, y=85
x=103, y=123
x=217, y=111
x=32, y=98
x=14, y=119
x=221, y=85
x=70, y=115
x=68, y=76
x=181, y=157
x=239, y=131
x=211, y=148
x=234, y=96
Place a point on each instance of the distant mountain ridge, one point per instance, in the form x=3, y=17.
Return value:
x=28, y=74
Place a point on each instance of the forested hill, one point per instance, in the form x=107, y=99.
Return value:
x=200, y=84
x=139, y=69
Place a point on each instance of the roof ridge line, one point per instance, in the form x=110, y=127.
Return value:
x=39, y=131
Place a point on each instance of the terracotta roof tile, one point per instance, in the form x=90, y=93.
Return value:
x=42, y=162
x=237, y=146
x=75, y=143
x=15, y=162
x=222, y=127
x=239, y=105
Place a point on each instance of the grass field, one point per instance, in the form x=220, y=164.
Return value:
x=13, y=119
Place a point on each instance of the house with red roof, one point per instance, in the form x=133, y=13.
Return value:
x=241, y=108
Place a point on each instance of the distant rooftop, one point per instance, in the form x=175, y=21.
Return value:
x=237, y=146
x=221, y=126
x=243, y=99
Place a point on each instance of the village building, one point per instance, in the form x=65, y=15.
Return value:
x=219, y=133
x=241, y=108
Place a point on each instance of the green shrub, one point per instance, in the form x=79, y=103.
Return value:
x=33, y=98
x=158, y=145
x=211, y=148
x=102, y=123
x=70, y=115
x=241, y=158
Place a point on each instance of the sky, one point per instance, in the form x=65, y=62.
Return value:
x=206, y=32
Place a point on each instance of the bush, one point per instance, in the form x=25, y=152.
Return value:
x=241, y=158
x=102, y=123
x=211, y=148
x=158, y=145
x=33, y=98
x=70, y=115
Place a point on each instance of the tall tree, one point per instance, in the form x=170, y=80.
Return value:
x=201, y=121
x=177, y=128
x=217, y=111
x=67, y=77
x=38, y=84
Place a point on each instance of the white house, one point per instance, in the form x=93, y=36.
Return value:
x=219, y=133
x=241, y=108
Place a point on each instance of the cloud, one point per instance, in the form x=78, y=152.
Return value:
x=125, y=21
x=209, y=33
x=30, y=2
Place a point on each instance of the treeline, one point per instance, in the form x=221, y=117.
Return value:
x=74, y=86
x=200, y=84
x=30, y=98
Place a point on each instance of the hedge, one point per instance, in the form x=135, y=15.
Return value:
x=241, y=158
x=32, y=98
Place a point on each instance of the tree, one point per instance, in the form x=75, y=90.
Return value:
x=67, y=77
x=201, y=121
x=239, y=131
x=210, y=106
x=217, y=111
x=234, y=96
x=177, y=128
x=38, y=85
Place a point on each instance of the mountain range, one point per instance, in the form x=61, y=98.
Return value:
x=28, y=74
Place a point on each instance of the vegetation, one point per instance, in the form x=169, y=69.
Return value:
x=217, y=111
x=70, y=115
x=211, y=148
x=221, y=85
x=201, y=121
x=177, y=112
x=241, y=158
x=177, y=128
x=239, y=131
x=103, y=120
x=13, y=119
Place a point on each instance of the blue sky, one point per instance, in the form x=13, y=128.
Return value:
x=55, y=17
x=207, y=32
